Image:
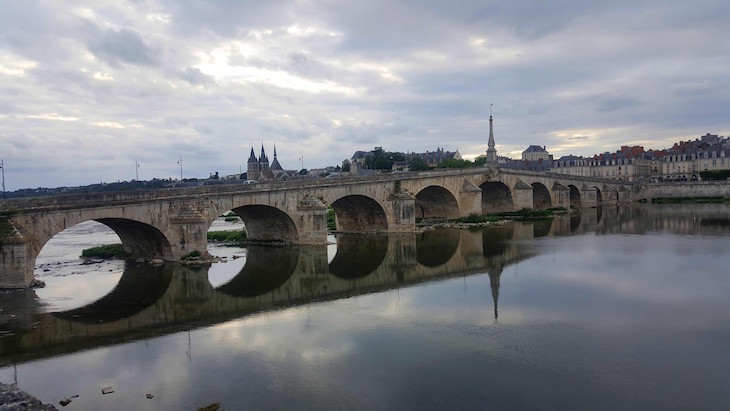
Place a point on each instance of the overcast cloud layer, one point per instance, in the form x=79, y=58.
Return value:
x=87, y=90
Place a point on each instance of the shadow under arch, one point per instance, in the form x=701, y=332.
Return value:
x=436, y=202
x=140, y=286
x=359, y=213
x=575, y=219
x=141, y=240
x=541, y=227
x=599, y=196
x=267, y=268
x=436, y=247
x=575, y=201
x=358, y=255
x=266, y=223
x=540, y=197
x=496, y=197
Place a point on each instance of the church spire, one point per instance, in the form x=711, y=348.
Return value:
x=491, y=151
x=252, y=157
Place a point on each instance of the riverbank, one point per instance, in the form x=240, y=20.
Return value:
x=12, y=398
x=489, y=219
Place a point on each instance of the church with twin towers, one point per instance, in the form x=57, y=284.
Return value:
x=259, y=169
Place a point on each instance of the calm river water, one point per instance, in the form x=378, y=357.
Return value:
x=615, y=308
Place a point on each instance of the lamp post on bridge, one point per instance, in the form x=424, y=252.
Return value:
x=180, y=162
x=2, y=167
x=136, y=170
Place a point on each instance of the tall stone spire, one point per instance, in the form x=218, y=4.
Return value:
x=275, y=164
x=491, y=151
x=263, y=154
x=252, y=157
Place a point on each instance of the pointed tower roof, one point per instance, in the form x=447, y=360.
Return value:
x=491, y=151
x=252, y=157
x=263, y=157
x=275, y=164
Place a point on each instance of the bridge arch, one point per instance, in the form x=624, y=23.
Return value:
x=496, y=197
x=575, y=201
x=267, y=223
x=359, y=213
x=599, y=196
x=436, y=202
x=139, y=239
x=540, y=197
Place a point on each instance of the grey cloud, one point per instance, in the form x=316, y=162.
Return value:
x=653, y=69
x=194, y=76
x=124, y=46
x=612, y=102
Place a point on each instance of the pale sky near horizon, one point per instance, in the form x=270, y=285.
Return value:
x=87, y=90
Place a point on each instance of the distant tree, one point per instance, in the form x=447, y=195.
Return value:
x=480, y=161
x=346, y=166
x=303, y=172
x=417, y=164
x=383, y=160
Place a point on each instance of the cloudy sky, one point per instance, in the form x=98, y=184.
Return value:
x=88, y=90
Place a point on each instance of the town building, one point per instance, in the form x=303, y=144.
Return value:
x=535, y=153
x=683, y=162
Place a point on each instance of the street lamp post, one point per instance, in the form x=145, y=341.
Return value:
x=2, y=167
x=136, y=170
x=180, y=162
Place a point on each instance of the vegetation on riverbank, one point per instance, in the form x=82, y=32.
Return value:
x=525, y=214
x=689, y=200
x=229, y=236
x=106, y=252
x=717, y=175
x=331, y=224
x=6, y=228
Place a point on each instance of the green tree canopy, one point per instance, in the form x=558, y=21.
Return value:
x=455, y=163
x=383, y=160
x=417, y=164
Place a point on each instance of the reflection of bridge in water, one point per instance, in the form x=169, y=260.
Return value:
x=151, y=301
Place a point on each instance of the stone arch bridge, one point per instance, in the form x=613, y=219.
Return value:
x=171, y=223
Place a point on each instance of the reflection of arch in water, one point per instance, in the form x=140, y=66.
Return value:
x=436, y=202
x=494, y=239
x=266, y=269
x=540, y=197
x=267, y=223
x=358, y=213
x=542, y=227
x=496, y=197
x=574, y=196
x=140, y=286
x=358, y=255
x=575, y=219
x=436, y=247
x=599, y=197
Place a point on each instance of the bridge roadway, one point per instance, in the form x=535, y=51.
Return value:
x=152, y=301
x=170, y=223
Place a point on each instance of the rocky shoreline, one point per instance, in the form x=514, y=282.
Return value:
x=12, y=398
